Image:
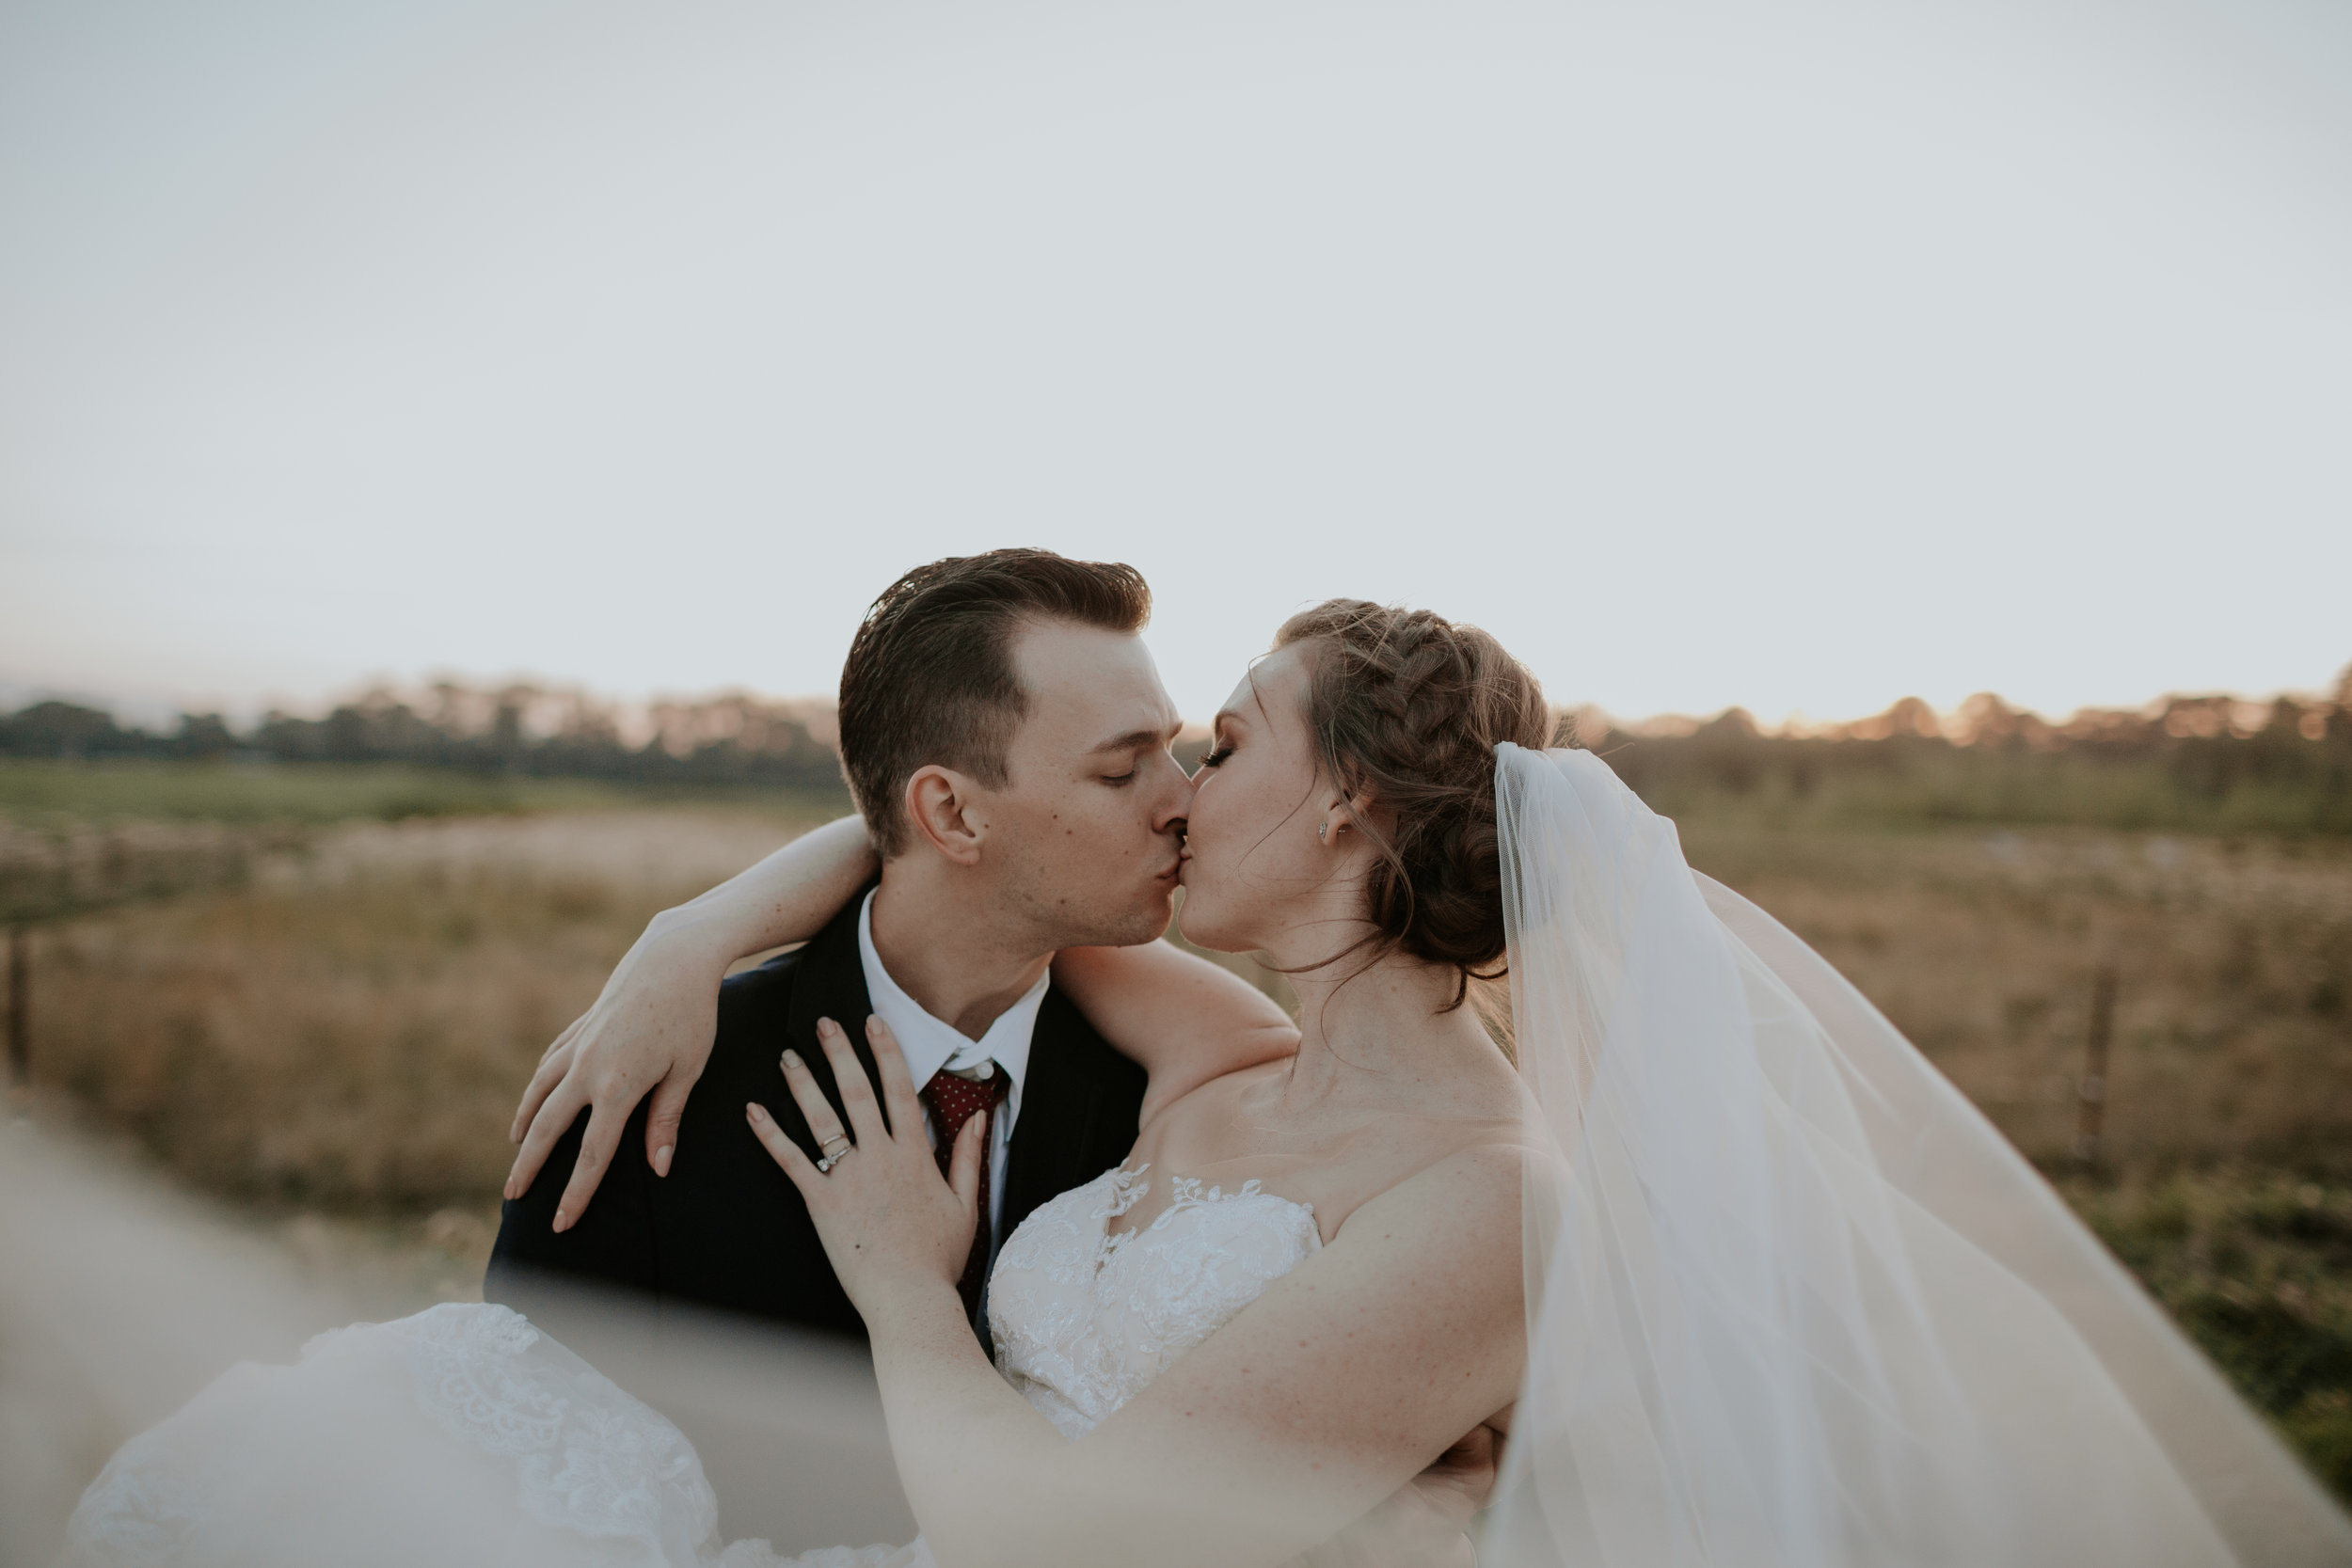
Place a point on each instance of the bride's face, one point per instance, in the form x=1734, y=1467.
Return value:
x=1252, y=861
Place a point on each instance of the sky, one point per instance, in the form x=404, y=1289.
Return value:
x=1802, y=356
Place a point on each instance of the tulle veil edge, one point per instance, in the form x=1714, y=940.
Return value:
x=1791, y=1298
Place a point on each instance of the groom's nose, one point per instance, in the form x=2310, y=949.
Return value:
x=1174, y=800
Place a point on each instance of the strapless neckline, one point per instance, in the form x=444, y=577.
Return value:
x=1129, y=1188
x=1083, y=1319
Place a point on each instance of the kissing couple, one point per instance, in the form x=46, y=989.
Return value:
x=1683, y=1256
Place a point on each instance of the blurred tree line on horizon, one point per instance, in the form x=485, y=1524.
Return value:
x=732, y=740
x=2197, y=764
x=2194, y=764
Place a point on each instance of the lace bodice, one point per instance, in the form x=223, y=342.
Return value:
x=1083, y=1319
x=530, y=1455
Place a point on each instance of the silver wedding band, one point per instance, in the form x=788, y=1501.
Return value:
x=835, y=1156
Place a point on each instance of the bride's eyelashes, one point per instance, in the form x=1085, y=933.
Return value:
x=1216, y=758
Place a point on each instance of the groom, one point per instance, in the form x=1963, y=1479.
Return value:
x=963, y=664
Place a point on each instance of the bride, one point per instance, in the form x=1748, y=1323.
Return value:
x=1743, y=1279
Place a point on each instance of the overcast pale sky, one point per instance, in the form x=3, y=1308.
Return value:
x=1802, y=354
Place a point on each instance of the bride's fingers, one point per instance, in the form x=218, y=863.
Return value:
x=787, y=1154
x=552, y=1119
x=553, y=1064
x=964, y=1170
x=890, y=1065
x=823, y=1125
x=598, y=1146
x=571, y=1033
x=850, y=1083
x=664, y=1113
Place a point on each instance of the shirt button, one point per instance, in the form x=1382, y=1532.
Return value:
x=986, y=1069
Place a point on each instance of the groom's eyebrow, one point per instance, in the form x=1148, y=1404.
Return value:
x=1133, y=740
x=1142, y=737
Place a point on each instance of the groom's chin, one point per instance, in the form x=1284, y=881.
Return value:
x=1104, y=923
x=1150, y=919
x=1152, y=923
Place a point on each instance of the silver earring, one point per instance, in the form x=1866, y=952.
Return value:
x=1324, y=832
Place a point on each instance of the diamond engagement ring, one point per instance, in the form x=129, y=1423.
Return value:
x=835, y=1156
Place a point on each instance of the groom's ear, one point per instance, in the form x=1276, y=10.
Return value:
x=944, y=805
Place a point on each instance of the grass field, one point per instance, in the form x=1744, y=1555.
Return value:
x=337, y=1022
x=347, y=1025
x=54, y=794
x=2226, y=1184
x=38, y=794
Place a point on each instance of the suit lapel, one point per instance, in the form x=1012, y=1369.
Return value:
x=830, y=984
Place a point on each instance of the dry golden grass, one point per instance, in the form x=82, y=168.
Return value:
x=350, y=1028
x=347, y=1029
x=2226, y=1179
x=2232, y=1034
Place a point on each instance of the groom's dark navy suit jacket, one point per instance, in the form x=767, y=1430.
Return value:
x=726, y=1228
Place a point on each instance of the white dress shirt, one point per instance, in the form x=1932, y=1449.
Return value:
x=932, y=1046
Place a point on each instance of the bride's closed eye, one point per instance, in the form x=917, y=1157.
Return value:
x=1216, y=756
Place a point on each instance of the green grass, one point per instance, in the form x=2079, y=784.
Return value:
x=317, y=794
x=1786, y=783
x=2256, y=1265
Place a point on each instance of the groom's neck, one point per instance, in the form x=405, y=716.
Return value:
x=937, y=935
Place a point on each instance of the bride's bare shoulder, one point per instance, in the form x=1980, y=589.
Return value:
x=1457, y=1217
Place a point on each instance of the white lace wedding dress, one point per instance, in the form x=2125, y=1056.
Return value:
x=463, y=1434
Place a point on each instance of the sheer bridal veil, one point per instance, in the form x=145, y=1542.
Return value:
x=1791, y=1300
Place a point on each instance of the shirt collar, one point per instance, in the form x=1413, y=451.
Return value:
x=929, y=1044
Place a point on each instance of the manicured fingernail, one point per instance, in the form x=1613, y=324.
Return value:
x=562, y=1221
x=756, y=1111
x=826, y=1024
x=661, y=1161
x=792, y=1058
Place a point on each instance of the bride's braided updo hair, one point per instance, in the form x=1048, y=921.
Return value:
x=1408, y=707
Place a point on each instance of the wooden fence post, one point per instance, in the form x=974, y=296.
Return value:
x=20, y=1004
x=2090, y=1090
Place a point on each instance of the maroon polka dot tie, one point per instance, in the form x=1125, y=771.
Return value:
x=952, y=1099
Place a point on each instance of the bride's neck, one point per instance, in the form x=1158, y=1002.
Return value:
x=1394, y=1017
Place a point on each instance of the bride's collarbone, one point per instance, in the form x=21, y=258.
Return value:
x=1333, y=1161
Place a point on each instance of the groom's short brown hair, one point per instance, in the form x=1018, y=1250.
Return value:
x=929, y=676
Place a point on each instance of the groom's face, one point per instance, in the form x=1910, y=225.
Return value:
x=1090, y=822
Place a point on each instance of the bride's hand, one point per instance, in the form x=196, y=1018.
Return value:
x=887, y=1220
x=654, y=1026
x=651, y=1028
